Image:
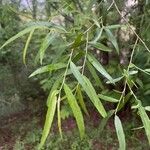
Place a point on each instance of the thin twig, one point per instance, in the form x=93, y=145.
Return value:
x=128, y=24
x=126, y=83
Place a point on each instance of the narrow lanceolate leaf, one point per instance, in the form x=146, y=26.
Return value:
x=107, y=98
x=147, y=108
x=115, y=80
x=100, y=46
x=33, y=26
x=115, y=26
x=98, y=35
x=89, y=89
x=46, y=24
x=99, y=67
x=95, y=76
x=81, y=101
x=75, y=109
x=147, y=70
x=23, y=32
x=120, y=133
x=112, y=39
x=47, y=41
x=26, y=46
x=49, y=117
x=58, y=116
x=146, y=121
x=48, y=68
x=94, y=97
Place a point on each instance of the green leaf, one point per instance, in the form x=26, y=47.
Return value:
x=26, y=46
x=115, y=80
x=98, y=35
x=33, y=26
x=59, y=116
x=147, y=108
x=48, y=68
x=89, y=89
x=146, y=121
x=76, y=110
x=124, y=101
x=104, y=121
x=94, y=74
x=46, y=24
x=77, y=41
x=147, y=70
x=49, y=117
x=55, y=86
x=45, y=44
x=99, y=67
x=81, y=101
x=100, y=46
x=107, y=98
x=112, y=39
x=95, y=20
x=115, y=26
x=23, y=32
x=120, y=133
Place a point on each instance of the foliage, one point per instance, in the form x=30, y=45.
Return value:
x=73, y=57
